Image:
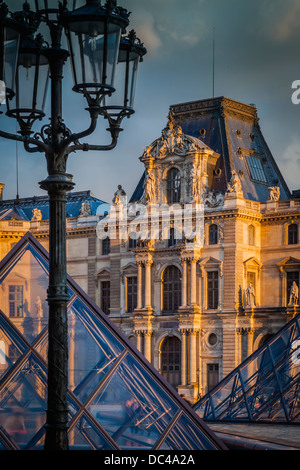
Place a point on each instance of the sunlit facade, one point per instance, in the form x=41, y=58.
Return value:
x=116, y=399
x=264, y=388
x=195, y=308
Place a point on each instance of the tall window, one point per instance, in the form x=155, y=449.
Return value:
x=172, y=240
x=293, y=234
x=212, y=376
x=105, y=296
x=132, y=243
x=173, y=186
x=251, y=235
x=15, y=301
x=213, y=234
x=106, y=246
x=212, y=289
x=171, y=360
x=171, y=289
x=131, y=293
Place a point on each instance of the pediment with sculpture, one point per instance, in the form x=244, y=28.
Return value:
x=173, y=142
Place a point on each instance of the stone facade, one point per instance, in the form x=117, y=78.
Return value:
x=209, y=277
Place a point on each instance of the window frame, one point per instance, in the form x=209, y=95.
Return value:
x=173, y=186
x=168, y=297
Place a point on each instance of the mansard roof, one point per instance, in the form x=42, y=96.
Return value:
x=22, y=209
x=231, y=129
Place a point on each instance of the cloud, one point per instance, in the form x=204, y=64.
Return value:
x=291, y=162
x=282, y=19
x=167, y=25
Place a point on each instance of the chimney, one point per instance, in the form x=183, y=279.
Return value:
x=1, y=191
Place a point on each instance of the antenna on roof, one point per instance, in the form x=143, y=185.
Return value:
x=17, y=171
x=213, y=84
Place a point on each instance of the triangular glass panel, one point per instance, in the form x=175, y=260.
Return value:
x=116, y=399
x=268, y=385
x=23, y=401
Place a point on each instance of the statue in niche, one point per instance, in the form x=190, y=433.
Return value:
x=36, y=215
x=149, y=187
x=85, y=208
x=250, y=296
x=195, y=182
x=294, y=295
x=274, y=193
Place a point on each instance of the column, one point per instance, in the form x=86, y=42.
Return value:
x=139, y=286
x=183, y=357
x=184, y=283
x=193, y=281
x=139, y=340
x=147, y=336
x=193, y=356
x=148, y=264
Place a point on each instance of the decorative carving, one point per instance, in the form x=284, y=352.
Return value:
x=85, y=209
x=36, y=215
x=38, y=307
x=212, y=198
x=250, y=296
x=149, y=187
x=119, y=196
x=234, y=184
x=294, y=295
x=274, y=193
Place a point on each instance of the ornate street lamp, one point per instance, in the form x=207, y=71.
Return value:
x=94, y=34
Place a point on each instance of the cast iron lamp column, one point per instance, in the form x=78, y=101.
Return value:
x=56, y=141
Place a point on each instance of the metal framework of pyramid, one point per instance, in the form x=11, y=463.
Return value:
x=117, y=400
x=264, y=388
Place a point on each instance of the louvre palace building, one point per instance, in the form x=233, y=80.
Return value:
x=199, y=266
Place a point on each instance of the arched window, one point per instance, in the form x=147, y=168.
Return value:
x=251, y=235
x=293, y=234
x=213, y=234
x=171, y=360
x=171, y=289
x=173, y=186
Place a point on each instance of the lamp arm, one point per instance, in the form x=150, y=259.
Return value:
x=86, y=147
x=39, y=146
x=94, y=113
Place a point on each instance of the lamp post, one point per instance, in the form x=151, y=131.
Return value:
x=96, y=36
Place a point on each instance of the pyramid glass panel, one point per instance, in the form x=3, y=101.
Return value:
x=269, y=384
x=116, y=399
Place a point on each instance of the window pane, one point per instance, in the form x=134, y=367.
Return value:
x=173, y=186
x=256, y=169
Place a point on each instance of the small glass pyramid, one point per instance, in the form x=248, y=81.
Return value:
x=264, y=388
x=117, y=400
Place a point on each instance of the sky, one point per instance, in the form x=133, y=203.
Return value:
x=257, y=59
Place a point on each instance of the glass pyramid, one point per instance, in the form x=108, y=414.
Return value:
x=264, y=388
x=117, y=400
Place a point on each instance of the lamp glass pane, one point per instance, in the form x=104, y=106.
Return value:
x=31, y=87
x=10, y=54
x=125, y=87
x=88, y=54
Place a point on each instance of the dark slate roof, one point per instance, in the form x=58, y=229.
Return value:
x=231, y=128
x=21, y=209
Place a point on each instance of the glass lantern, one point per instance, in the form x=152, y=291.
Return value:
x=93, y=32
x=131, y=53
x=32, y=78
